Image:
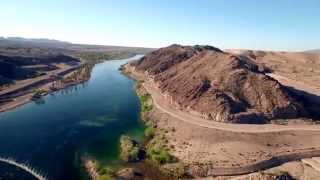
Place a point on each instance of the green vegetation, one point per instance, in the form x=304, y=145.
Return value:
x=157, y=150
x=159, y=155
x=130, y=149
x=145, y=98
x=37, y=93
x=146, y=102
x=105, y=172
x=149, y=132
x=105, y=177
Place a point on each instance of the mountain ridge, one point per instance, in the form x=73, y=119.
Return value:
x=317, y=51
x=218, y=85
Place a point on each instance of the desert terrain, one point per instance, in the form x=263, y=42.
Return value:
x=211, y=148
x=297, y=70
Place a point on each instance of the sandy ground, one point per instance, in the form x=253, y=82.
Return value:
x=197, y=145
x=301, y=67
x=313, y=162
x=205, y=145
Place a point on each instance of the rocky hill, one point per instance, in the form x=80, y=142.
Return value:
x=218, y=85
x=299, y=66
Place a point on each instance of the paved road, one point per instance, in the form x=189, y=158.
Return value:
x=24, y=83
x=163, y=105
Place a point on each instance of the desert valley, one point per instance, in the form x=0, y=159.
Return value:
x=208, y=112
x=160, y=90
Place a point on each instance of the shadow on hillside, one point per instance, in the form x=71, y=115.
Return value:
x=311, y=102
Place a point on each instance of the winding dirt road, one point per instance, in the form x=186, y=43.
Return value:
x=162, y=104
x=224, y=152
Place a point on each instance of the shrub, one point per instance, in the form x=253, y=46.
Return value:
x=106, y=171
x=159, y=155
x=157, y=151
x=105, y=177
x=146, y=104
x=130, y=149
x=149, y=132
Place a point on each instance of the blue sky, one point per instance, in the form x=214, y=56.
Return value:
x=245, y=24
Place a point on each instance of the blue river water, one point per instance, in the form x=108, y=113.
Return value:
x=87, y=119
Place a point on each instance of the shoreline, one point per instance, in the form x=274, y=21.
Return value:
x=260, y=164
x=27, y=93
x=140, y=168
x=27, y=98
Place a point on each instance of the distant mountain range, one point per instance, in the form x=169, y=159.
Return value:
x=19, y=41
x=40, y=40
x=43, y=42
x=314, y=51
x=18, y=46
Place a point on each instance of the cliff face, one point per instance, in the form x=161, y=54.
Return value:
x=220, y=86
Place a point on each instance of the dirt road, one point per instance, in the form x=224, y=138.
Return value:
x=162, y=104
x=233, y=149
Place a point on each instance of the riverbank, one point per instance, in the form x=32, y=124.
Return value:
x=24, y=92
x=211, y=149
x=139, y=157
x=131, y=157
x=82, y=120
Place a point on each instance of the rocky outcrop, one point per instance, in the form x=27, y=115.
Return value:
x=217, y=85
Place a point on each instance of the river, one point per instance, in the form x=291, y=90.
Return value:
x=87, y=119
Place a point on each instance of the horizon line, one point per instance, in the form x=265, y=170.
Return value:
x=149, y=47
